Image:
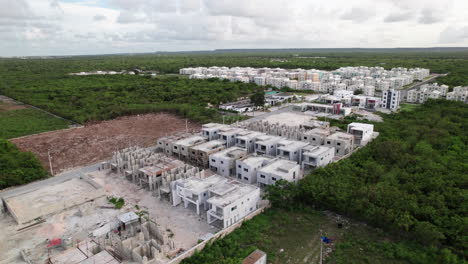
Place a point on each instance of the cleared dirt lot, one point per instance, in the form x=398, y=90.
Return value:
x=81, y=146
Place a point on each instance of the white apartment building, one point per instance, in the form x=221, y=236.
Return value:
x=279, y=169
x=362, y=132
x=231, y=201
x=246, y=168
x=224, y=161
x=290, y=149
x=342, y=142
x=459, y=94
x=194, y=191
x=317, y=156
x=391, y=99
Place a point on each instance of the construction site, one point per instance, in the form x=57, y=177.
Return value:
x=158, y=198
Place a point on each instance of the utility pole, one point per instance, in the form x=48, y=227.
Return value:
x=223, y=119
x=186, y=125
x=321, y=247
x=50, y=163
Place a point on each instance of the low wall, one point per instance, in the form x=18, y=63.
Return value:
x=218, y=235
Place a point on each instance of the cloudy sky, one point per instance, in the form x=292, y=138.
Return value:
x=72, y=27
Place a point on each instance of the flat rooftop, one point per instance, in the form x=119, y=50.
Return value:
x=237, y=191
x=280, y=167
x=230, y=131
x=268, y=140
x=255, y=161
x=341, y=135
x=231, y=153
x=315, y=151
x=361, y=126
x=247, y=135
x=190, y=141
x=291, y=145
x=52, y=199
x=210, y=145
x=318, y=131
x=198, y=185
x=213, y=126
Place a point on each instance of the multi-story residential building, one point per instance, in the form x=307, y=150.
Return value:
x=317, y=156
x=279, y=169
x=224, y=161
x=180, y=148
x=231, y=201
x=459, y=94
x=362, y=132
x=199, y=154
x=194, y=191
x=290, y=149
x=229, y=135
x=211, y=130
x=266, y=145
x=427, y=91
x=342, y=142
x=246, y=168
x=246, y=140
x=316, y=136
x=391, y=99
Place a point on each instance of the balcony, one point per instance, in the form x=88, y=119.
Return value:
x=217, y=213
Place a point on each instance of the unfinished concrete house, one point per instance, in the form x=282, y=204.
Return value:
x=246, y=168
x=246, y=140
x=144, y=243
x=231, y=201
x=316, y=136
x=342, y=142
x=85, y=252
x=317, y=156
x=211, y=130
x=266, y=145
x=279, y=169
x=181, y=147
x=200, y=153
x=290, y=149
x=229, y=135
x=224, y=161
x=362, y=132
x=145, y=167
x=166, y=144
x=194, y=191
x=276, y=129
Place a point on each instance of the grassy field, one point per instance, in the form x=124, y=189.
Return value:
x=293, y=237
x=25, y=121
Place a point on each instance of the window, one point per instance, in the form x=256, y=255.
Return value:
x=175, y=147
x=262, y=176
x=183, y=149
x=239, y=166
x=204, y=194
x=212, y=160
x=222, y=162
x=273, y=178
x=239, y=175
x=328, y=142
x=305, y=138
x=339, y=144
x=246, y=170
x=313, y=139
x=234, y=208
x=245, y=178
x=294, y=175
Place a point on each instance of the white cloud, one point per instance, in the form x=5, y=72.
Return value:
x=42, y=27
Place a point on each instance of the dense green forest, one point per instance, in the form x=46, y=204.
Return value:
x=17, y=167
x=411, y=181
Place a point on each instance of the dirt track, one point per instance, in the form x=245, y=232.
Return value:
x=94, y=142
